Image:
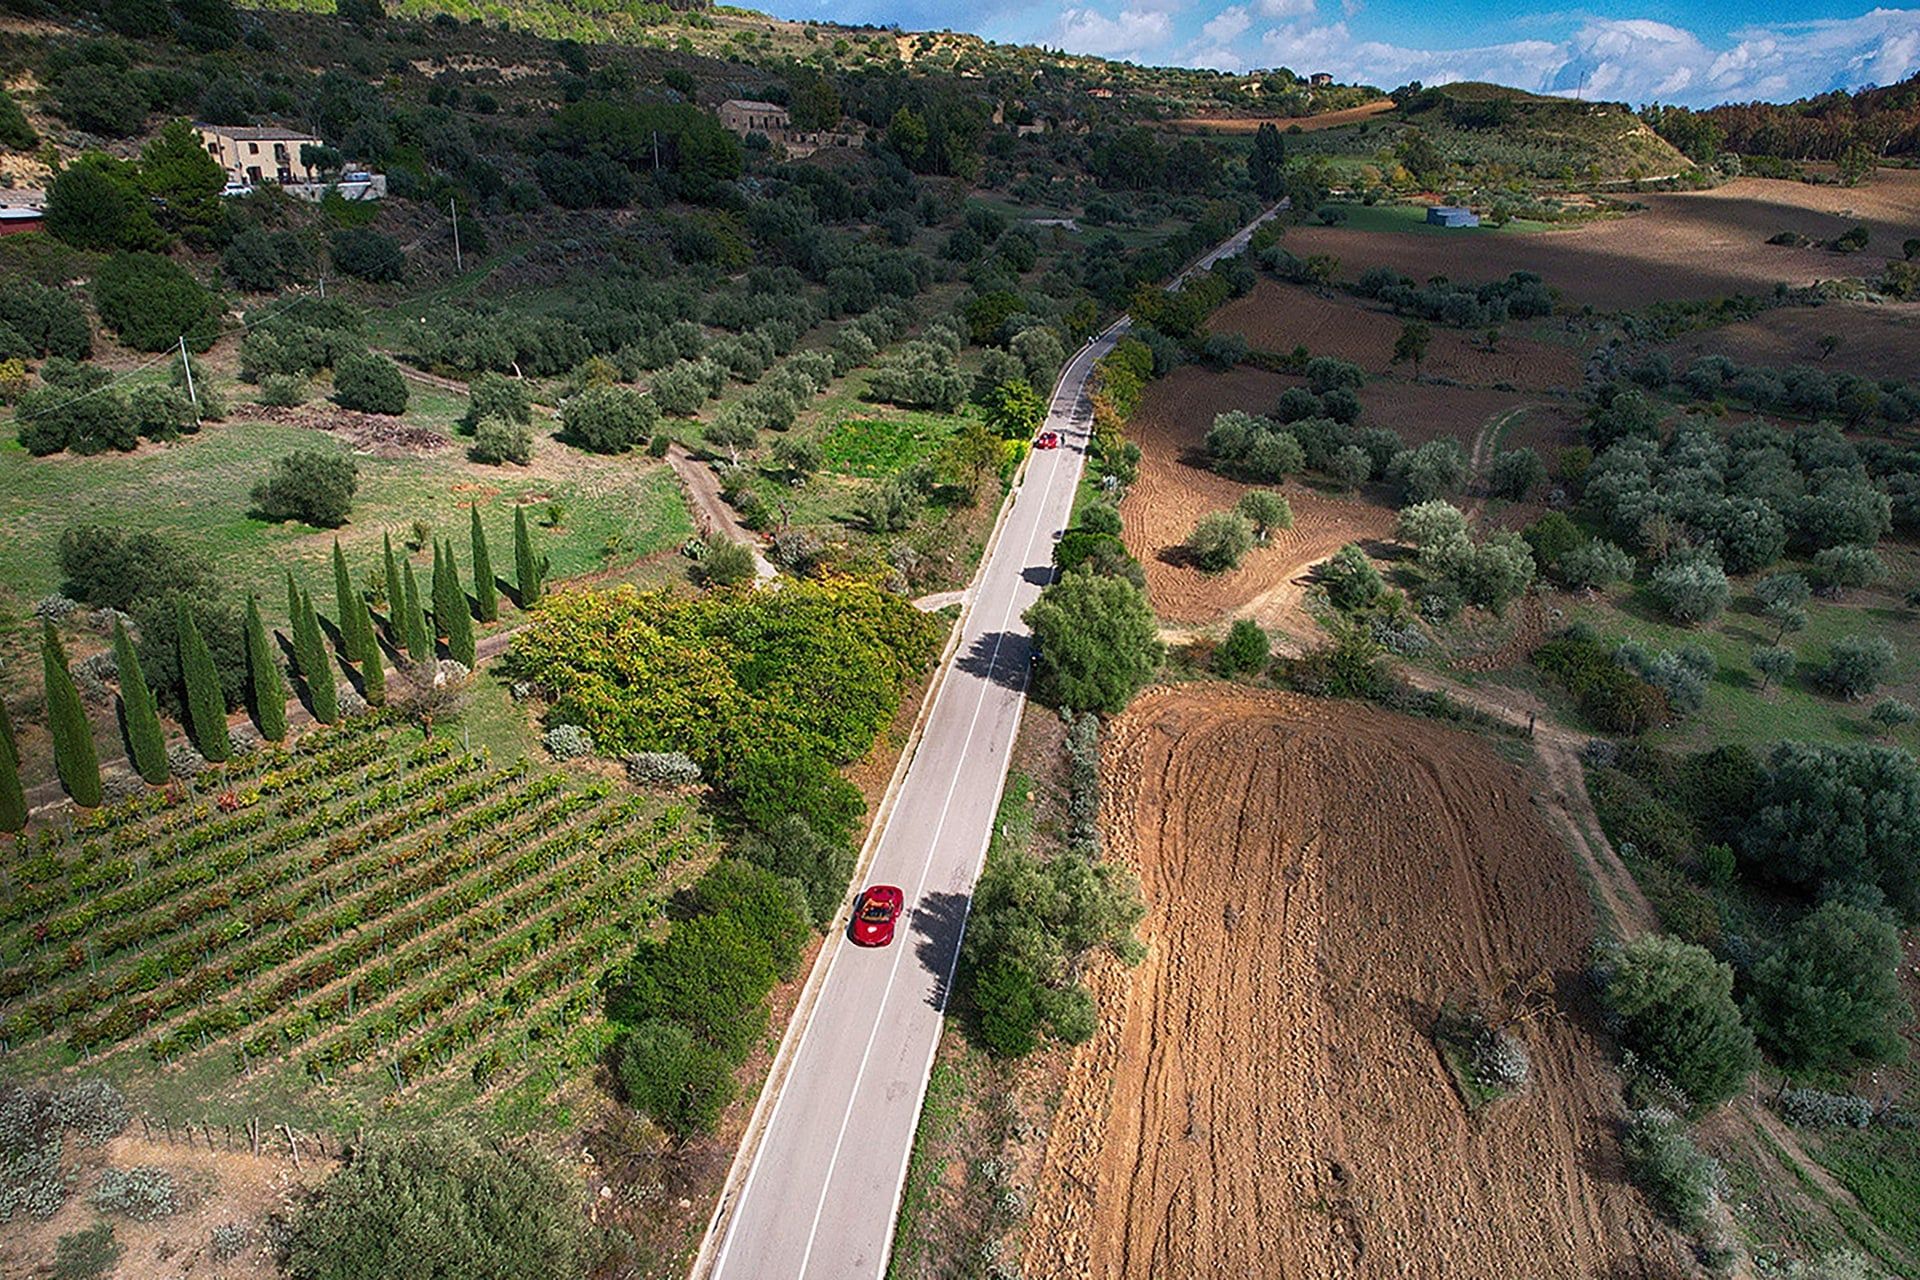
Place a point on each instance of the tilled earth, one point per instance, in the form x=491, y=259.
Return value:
x=1263, y=1098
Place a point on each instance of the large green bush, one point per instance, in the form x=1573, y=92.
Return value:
x=1837, y=815
x=1829, y=996
x=47, y=322
x=683, y=1084
x=1099, y=642
x=370, y=383
x=438, y=1206
x=608, y=419
x=1674, y=1004
x=152, y=302
x=310, y=486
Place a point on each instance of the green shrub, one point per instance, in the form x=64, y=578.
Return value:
x=143, y=1193
x=151, y=302
x=727, y=563
x=370, y=383
x=1690, y=586
x=1219, y=539
x=368, y=255
x=494, y=395
x=1349, y=579
x=309, y=486
x=1245, y=649
x=1099, y=642
x=497, y=440
x=1855, y=666
x=283, y=390
x=1674, y=1004
x=438, y=1204
x=1610, y=695
x=1664, y=1162
x=608, y=419
x=682, y=1084
x=87, y=1255
x=1829, y=996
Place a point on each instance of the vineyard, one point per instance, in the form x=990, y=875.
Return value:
x=364, y=914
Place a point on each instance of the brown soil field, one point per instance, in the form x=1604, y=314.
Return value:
x=1279, y=317
x=1422, y=411
x=1306, y=124
x=1263, y=1097
x=1697, y=244
x=1174, y=490
x=1876, y=340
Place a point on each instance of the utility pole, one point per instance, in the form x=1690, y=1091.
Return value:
x=453, y=207
x=656, y=151
x=186, y=364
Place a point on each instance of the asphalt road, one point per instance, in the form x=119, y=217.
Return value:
x=820, y=1192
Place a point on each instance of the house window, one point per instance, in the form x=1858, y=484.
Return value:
x=253, y=148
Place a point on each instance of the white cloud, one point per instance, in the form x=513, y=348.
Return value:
x=1635, y=59
x=1129, y=34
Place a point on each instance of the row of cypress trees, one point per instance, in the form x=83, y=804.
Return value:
x=76, y=760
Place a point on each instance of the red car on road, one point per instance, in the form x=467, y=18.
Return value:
x=874, y=915
x=1047, y=440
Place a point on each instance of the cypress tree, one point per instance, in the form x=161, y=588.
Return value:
x=146, y=740
x=486, y=596
x=267, y=687
x=373, y=669
x=450, y=607
x=206, y=705
x=13, y=800
x=74, y=757
x=396, y=635
x=353, y=644
x=526, y=569
x=413, y=624
x=310, y=655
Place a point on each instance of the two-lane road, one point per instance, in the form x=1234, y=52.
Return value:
x=820, y=1191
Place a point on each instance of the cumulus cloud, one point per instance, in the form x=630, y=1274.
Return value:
x=1635, y=59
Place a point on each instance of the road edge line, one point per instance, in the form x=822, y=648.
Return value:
x=803, y=1007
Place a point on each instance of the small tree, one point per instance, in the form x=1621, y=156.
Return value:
x=1266, y=511
x=486, y=593
x=267, y=688
x=413, y=619
x=1245, y=649
x=1891, y=714
x=1691, y=587
x=370, y=383
x=496, y=441
x=74, y=757
x=1515, y=474
x=310, y=655
x=1219, y=539
x=309, y=486
x=1349, y=578
x=373, y=666
x=608, y=419
x=1350, y=466
x=1829, y=996
x=1014, y=410
x=13, y=799
x=205, y=702
x=354, y=645
x=1783, y=598
x=1411, y=346
x=682, y=1084
x=1848, y=566
x=528, y=568
x=1856, y=665
x=450, y=611
x=1774, y=663
x=1676, y=1011
x=146, y=740
x=1429, y=523
x=494, y=395
x=1099, y=642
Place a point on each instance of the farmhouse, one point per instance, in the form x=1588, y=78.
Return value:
x=253, y=154
x=744, y=116
x=1450, y=215
x=1320, y=78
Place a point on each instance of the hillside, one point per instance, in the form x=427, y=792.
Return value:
x=1605, y=141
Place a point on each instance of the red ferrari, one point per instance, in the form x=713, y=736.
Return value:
x=1047, y=440
x=874, y=915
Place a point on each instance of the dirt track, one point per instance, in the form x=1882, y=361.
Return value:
x=1174, y=490
x=1263, y=1099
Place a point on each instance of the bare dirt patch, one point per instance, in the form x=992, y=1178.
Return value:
x=1263, y=1097
x=1279, y=317
x=1175, y=489
x=363, y=432
x=1697, y=244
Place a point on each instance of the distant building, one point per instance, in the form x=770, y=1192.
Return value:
x=1319, y=78
x=15, y=219
x=744, y=116
x=253, y=154
x=1450, y=215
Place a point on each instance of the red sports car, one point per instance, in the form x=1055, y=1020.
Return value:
x=1047, y=440
x=874, y=915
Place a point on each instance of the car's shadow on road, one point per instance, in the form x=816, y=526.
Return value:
x=999, y=656
x=936, y=927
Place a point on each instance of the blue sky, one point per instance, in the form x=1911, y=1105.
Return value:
x=1697, y=53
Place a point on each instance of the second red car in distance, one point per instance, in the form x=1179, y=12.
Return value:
x=874, y=915
x=1047, y=440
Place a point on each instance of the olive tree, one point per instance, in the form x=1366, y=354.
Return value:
x=1099, y=642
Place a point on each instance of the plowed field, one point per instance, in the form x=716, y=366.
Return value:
x=1263, y=1099
x=1698, y=244
x=1175, y=489
x=1876, y=340
x=1279, y=317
